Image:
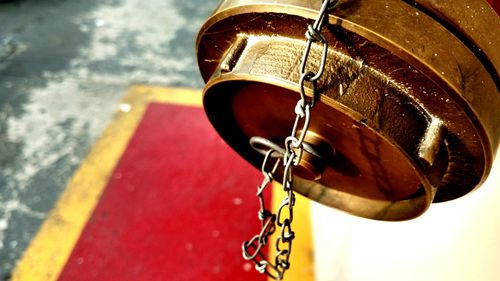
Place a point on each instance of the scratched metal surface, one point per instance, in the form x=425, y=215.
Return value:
x=64, y=65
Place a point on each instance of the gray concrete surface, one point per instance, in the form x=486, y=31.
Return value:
x=64, y=65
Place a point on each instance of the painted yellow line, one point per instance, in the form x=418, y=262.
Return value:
x=49, y=250
x=302, y=257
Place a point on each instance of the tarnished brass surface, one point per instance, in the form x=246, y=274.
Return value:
x=409, y=105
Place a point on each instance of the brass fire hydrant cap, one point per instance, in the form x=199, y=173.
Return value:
x=408, y=107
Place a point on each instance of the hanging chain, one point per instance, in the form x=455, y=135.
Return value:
x=289, y=157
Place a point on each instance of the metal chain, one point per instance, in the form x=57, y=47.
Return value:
x=289, y=157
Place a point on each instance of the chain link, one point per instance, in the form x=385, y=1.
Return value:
x=289, y=157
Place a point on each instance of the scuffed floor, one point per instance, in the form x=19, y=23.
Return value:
x=64, y=65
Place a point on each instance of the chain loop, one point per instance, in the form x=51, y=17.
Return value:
x=289, y=156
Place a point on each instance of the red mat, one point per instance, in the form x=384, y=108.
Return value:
x=177, y=207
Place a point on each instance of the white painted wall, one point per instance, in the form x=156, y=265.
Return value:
x=457, y=240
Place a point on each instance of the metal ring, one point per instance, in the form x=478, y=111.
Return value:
x=255, y=142
x=309, y=148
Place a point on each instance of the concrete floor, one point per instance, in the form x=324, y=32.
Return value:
x=64, y=65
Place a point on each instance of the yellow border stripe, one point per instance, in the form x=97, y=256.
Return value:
x=302, y=257
x=49, y=250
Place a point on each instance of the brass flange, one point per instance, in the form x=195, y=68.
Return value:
x=408, y=102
